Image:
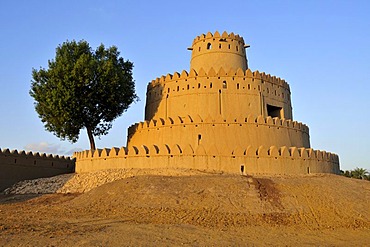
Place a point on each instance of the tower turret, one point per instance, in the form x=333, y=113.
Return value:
x=217, y=51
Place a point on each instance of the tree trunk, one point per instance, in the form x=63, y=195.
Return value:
x=91, y=138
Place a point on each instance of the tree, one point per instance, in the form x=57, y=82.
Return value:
x=359, y=173
x=82, y=88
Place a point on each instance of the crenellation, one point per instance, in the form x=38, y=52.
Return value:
x=153, y=150
x=105, y=153
x=123, y=152
x=273, y=152
x=284, y=152
x=164, y=149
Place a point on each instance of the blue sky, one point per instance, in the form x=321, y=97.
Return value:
x=320, y=47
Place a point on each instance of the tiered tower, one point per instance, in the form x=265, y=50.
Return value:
x=218, y=116
x=226, y=97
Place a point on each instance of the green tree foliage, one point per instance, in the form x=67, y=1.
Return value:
x=82, y=88
x=359, y=173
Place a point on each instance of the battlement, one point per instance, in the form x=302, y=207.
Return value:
x=211, y=73
x=197, y=120
x=216, y=35
x=30, y=155
x=17, y=165
x=223, y=93
x=245, y=160
x=177, y=150
x=217, y=51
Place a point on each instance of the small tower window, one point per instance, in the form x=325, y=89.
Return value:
x=274, y=111
x=237, y=48
x=229, y=46
x=224, y=84
x=210, y=85
x=209, y=46
x=199, y=138
x=219, y=46
x=237, y=86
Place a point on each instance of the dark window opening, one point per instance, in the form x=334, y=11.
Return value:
x=210, y=85
x=274, y=111
x=308, y=170
x=237, y=86
x=219, y=46
x=199, y=138
x=242, y=169
x=224, y=84
x=209, y=46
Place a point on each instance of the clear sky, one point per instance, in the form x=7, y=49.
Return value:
x=321, y=48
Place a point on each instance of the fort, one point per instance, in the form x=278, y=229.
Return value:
x=220, y=116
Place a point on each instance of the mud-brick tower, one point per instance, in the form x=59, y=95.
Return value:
x=225, y=97
x=219, y=116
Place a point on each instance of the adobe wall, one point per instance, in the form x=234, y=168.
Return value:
x=17, y=166
x=251, y=160
x=232, y=93
x=218, y=51
x=225, y=134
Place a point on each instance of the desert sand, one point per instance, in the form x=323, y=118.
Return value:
x=140, y=208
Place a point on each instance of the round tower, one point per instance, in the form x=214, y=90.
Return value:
x=217, y=51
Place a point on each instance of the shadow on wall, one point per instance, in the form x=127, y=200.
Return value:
x=17, y=166
x=154, y=99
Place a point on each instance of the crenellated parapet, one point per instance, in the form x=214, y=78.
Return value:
x=232, y=73
x=39, y=159
x=218, y=51
x=219, y=131
x=246, y=160
x=222, y=93
x=20, y=165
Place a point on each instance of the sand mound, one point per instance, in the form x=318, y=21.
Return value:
x=84, y=182
x=220, y=210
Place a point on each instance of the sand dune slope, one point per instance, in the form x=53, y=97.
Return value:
x=211, y=210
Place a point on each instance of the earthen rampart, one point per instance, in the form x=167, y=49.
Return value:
x=20, y=165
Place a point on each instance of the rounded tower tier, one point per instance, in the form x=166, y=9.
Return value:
x=217, y=51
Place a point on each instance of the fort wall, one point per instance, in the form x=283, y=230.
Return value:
x=17, y=166
x=235, y=93
x=250, y=160
x=225, y=134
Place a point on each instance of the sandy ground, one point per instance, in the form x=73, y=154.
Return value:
x=193, y=210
